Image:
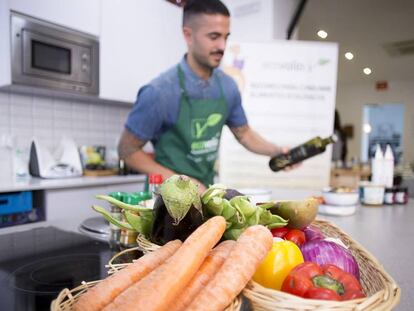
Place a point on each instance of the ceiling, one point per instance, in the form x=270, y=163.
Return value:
x=363, y=27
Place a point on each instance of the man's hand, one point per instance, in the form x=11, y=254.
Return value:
x=290, y=167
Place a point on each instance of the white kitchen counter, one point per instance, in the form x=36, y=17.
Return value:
x=78, y=182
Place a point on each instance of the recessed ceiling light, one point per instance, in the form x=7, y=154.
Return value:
x=349, y=55
x=323, y=34
x=367, y=128
x=367, y=71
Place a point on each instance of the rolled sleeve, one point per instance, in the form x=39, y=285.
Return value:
x=145, y=120
x=237, y=116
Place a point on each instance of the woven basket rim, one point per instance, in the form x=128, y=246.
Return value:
x=385, y=299
x=66, y=298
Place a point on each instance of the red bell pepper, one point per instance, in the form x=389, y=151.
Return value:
x=328, y=282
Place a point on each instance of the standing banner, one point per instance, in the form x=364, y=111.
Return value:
x=288, y=92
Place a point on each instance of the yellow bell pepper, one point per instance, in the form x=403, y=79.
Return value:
x=281, y=259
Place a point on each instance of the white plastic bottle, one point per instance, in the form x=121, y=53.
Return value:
x=377, y=166
x=6, y=159
x=388, y=167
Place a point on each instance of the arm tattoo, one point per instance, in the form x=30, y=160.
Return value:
x=129, y=144
x=239, y=132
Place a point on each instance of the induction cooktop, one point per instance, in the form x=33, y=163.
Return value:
x=35, y=265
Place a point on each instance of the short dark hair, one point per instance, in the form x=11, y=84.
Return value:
x=210, y=7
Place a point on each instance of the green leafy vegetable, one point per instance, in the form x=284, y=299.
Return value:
x=238, y=211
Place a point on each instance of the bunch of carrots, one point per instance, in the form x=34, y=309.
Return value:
x=193, y=275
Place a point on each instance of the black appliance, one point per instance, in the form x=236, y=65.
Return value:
x=35, y=265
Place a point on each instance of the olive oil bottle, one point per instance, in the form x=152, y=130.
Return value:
x=302, y=152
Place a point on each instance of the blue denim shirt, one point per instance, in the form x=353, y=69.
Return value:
x=158, y=103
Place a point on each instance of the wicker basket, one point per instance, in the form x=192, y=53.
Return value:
x=381, y=290
x=67, y=298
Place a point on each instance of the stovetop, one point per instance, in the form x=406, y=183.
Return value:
x=35, y=265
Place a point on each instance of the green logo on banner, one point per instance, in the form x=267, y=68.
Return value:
x=200, y=126
x=323, y=61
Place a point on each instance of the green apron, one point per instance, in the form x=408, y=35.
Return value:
x=191, y=146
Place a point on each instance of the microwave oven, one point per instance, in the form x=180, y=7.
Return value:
x=50, y=56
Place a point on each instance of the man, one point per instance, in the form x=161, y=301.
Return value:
x=182, y=112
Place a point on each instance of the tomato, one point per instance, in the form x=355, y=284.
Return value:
x=296, y=236
x=322, y=293
x=279, y=232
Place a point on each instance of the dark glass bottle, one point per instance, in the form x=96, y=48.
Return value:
x=302, y=152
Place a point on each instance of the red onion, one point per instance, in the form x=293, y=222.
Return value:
x=313, y=233
x=326, y=252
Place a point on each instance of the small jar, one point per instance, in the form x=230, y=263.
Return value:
x=389, y=196
x=154, y=182
x=401, y=195
x=116, y=213
x=128, y=239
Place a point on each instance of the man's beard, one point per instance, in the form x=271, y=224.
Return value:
x=202, y=61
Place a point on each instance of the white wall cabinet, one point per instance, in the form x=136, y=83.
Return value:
x=5, y=68
x=139, y=40
x=80, y=15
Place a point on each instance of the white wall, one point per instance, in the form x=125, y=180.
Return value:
x=251, y=20
x=139, y=40
x=77, y=14
x=350, y=102
x=48, y=118
x=260, y=20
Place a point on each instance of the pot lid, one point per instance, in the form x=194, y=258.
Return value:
x=96, y=226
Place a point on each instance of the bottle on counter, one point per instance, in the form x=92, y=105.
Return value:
x=389, y=196
x=154, y=182
x=377, y=166
x=302, y=152
x=115, y=232
x=122, y=167
x=388, y=167
x=401, y=195
x=128, y=238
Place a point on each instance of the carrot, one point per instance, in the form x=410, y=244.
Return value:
x=251, y=248
x=206, y=272
x=104, y=292
x=161, y=287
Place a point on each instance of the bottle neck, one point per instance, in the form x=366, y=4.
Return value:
x=329, y=140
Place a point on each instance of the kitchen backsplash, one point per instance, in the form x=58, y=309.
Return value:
x=48, y=119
